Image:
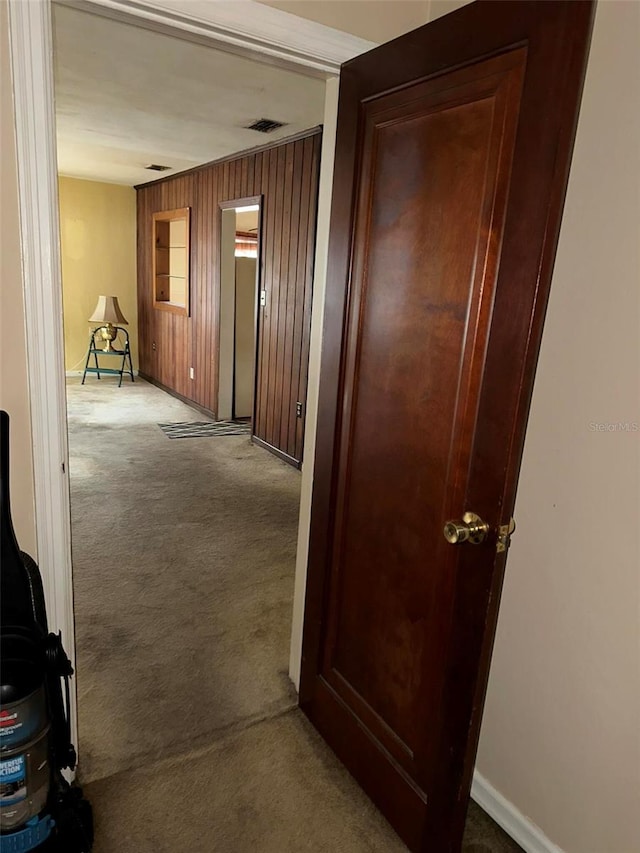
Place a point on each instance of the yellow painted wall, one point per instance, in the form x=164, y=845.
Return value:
x=98, y=240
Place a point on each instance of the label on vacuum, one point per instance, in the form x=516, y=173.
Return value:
x=10, y=724
x=13, y=781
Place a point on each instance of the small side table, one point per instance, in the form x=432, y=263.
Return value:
x=121, y=351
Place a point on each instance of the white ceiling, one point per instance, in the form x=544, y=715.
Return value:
x=127, y=97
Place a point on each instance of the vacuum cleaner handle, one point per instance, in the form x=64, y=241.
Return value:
x=59, y=670
x=21, y=593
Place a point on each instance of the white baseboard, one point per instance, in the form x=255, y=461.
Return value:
x=523, y=830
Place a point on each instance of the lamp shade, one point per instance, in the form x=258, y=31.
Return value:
x=108, y=311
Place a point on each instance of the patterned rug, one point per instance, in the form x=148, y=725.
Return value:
x=205, y=429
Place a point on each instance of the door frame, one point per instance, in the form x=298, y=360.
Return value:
x=268, y=34
x=232, y=204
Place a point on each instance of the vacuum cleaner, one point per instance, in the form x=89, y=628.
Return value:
x=39, y=809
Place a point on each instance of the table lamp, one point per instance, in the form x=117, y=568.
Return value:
x=107, y=312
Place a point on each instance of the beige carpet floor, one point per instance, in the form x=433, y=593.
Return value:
x=183, y=554
x=274, y=788
x=183, y=575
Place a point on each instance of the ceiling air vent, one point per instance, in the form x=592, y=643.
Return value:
x=156, y=167
x=265, y=125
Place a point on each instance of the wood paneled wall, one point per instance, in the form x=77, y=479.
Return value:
x=286, y=176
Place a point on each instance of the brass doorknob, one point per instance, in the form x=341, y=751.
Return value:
x=471, y=529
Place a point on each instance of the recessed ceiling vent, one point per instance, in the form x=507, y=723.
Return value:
x=156, y=167
x=266, y=125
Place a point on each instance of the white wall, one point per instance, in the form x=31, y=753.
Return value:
x=245, y=337
x=14, y=397
x=313, y=383
x=227, y=313
x=438, y=8
x=375, y=20
x=561, y=731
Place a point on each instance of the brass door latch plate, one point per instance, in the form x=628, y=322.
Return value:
x=504, y=536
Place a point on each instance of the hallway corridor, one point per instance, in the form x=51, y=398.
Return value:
x=184, y=556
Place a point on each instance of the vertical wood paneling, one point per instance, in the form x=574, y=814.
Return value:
x=273, y=291
x=282, y=375
x=306, y=279
x=259, y=408
x=265, y=322
x=290, y=389
x=300, y=251
x=286, y=177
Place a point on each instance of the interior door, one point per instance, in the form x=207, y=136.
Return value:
x=452, y=158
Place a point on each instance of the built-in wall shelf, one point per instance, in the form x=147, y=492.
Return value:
x=171, y=260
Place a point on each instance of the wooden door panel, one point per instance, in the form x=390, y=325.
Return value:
x=438, y=174
x=452, y=157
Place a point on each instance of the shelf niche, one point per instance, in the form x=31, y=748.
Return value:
x=171, y=260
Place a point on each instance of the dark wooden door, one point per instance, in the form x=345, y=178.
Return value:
x=452, y=158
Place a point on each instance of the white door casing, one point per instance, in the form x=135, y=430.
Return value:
x=31, y=47
x=242, y=26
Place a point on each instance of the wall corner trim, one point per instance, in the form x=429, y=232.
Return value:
x=31, y=52
x=521, y=828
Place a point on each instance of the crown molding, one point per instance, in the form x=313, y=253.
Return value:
x=243, y=27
